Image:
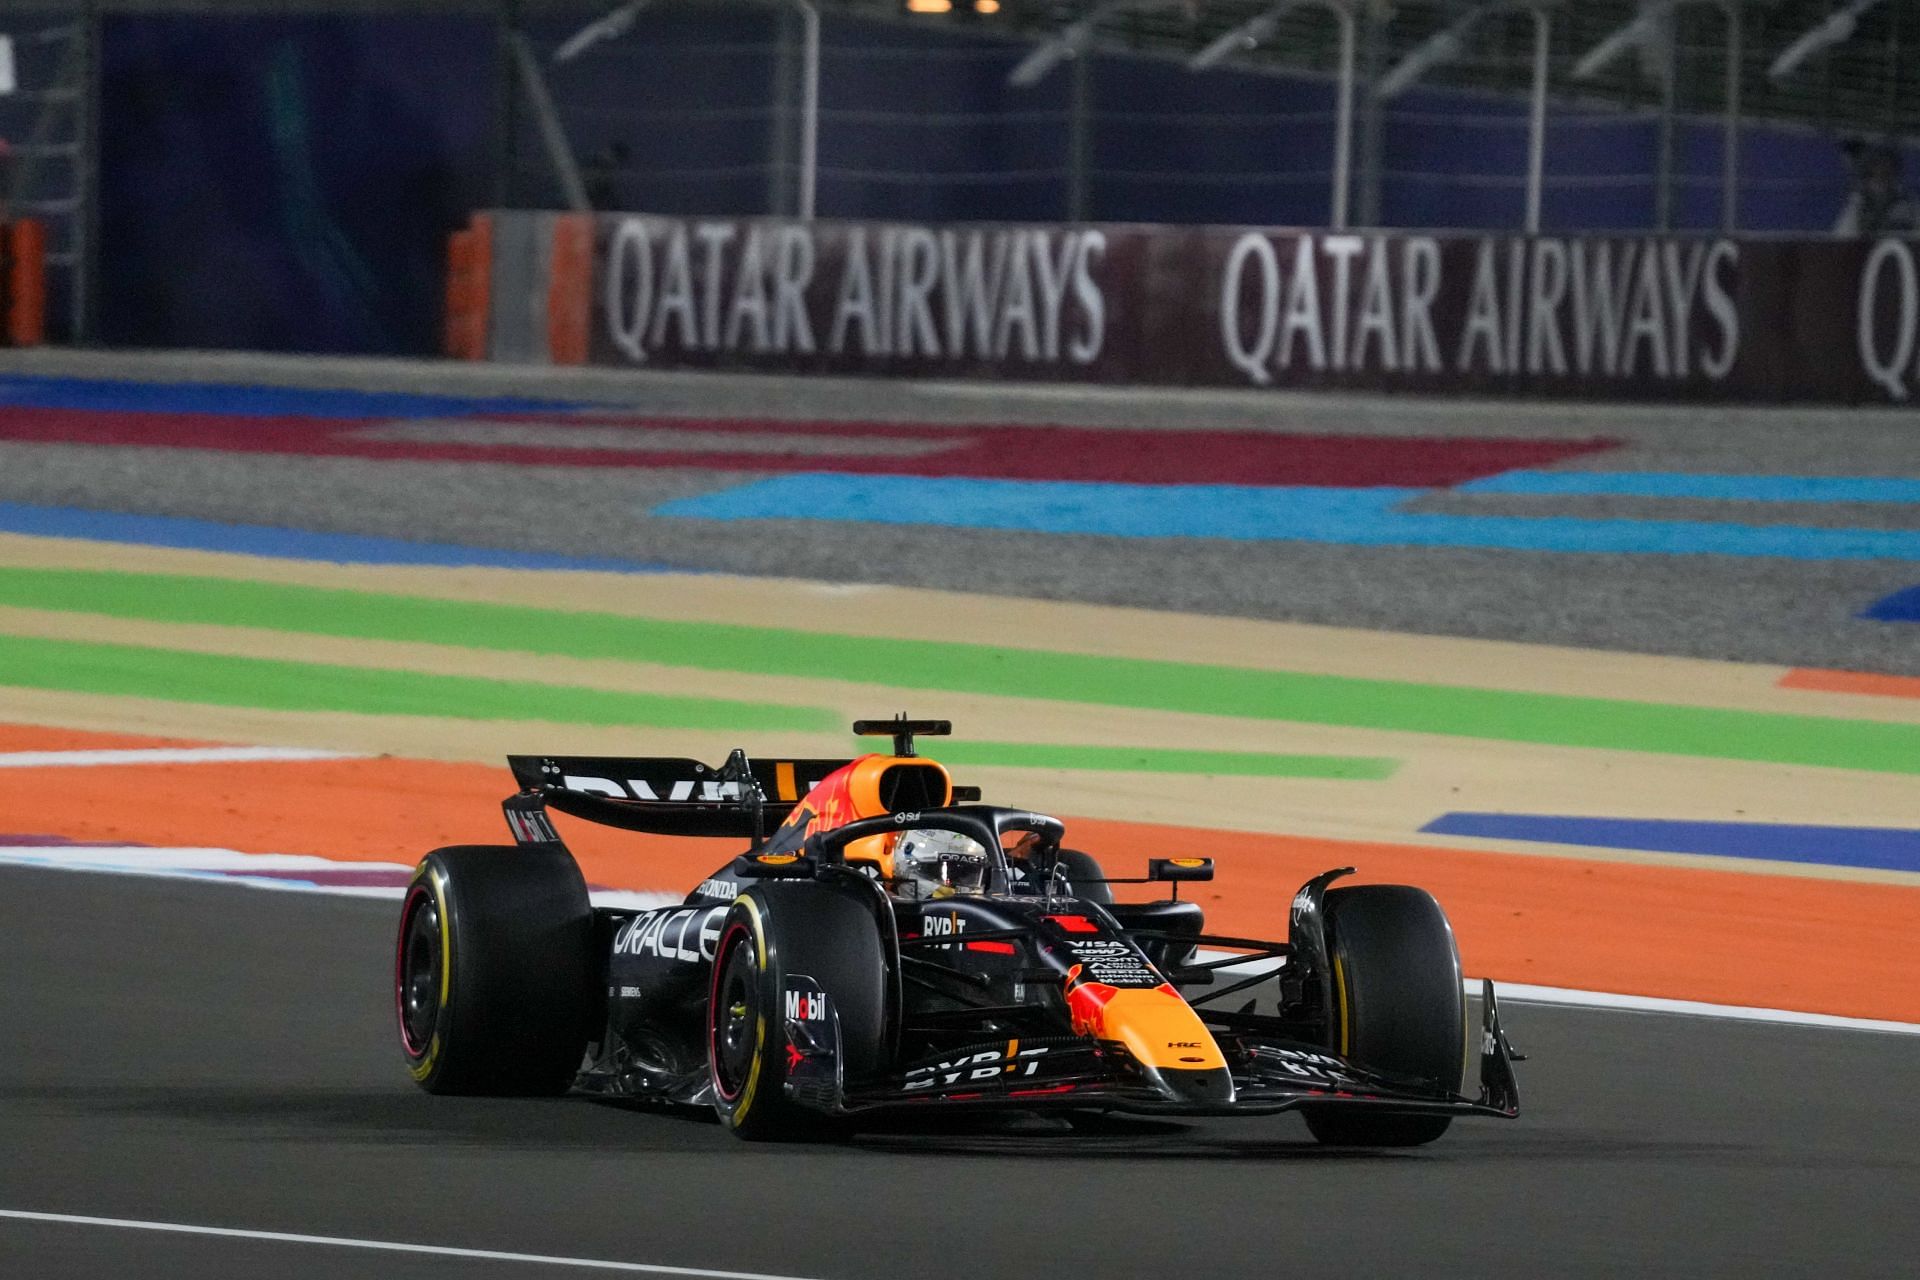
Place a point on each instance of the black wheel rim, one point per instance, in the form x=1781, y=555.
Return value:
x=418, y=984
x=735, y=1015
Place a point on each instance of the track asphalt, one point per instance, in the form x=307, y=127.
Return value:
x=223, y=1057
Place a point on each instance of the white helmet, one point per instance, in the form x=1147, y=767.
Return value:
x=938, y=864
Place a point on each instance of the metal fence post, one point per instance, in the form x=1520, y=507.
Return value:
x=1730, y=150
x=1079, y=134
x=809, y=106
x=1343, y=118
x=86, y=173
x=1537, y=117
x=1669, y=108
x=1372, y=123
x=506, y=115
x=783, y=121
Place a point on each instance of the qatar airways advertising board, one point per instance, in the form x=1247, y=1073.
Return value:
x=1032, y=301
x=1684, y=317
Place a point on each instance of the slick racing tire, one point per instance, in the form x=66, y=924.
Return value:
x=1398, y=1006
x=775, y=933
x=493, y=971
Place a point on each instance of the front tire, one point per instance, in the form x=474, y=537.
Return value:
x=1399, y=1007
x=493, y=972
x=772, y=933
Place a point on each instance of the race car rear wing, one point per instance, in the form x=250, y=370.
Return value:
x=742, y=799
x=662, y=795
x=675, y=780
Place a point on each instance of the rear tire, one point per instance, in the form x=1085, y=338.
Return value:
x=1398, y=1006
x=493, y=972
x=774, y=932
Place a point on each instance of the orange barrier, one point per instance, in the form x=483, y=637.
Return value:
x=569, y=280
x=33, y=737
x=469, y=286
x=25, y=248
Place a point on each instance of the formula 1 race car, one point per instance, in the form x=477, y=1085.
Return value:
x=880, y=947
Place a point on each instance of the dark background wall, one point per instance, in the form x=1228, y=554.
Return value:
x=287, y=182
x=919, y=122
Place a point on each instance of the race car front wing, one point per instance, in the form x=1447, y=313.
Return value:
x=1269, y=1076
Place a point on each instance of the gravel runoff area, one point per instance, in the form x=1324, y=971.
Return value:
x=1797, y=612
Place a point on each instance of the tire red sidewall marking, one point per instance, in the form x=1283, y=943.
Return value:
x=721, y=958
x=415, y=897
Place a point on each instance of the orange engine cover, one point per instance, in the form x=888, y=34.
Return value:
x=866, y=788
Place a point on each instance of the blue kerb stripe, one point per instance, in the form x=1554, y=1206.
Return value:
x=1666, y=484
x=1354, y=517
x=107, y=396
x=289, y=544
x=1901, y=606
x=1879, y=848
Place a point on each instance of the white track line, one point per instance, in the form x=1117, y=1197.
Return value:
x=1524, y=993
x=164, y=755
x=227, y=866
x=135, y=858
x=387, y=1246
x=1521, y=993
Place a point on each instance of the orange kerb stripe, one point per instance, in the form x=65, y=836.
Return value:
x=363, y=810
x=1726, y=936
x=33, y=737
x=1851, y=682
x=1731, y=937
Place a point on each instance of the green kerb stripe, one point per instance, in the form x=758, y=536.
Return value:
x=985, y=669
x=212, y=679
x=1244, y=764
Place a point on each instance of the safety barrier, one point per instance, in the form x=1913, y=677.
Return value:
x=469, y=279
x=23, y=282
x=1695, y=317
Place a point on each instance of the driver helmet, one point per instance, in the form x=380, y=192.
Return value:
x=938, y=864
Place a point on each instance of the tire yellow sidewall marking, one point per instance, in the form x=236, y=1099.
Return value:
x=1344, y=1007
x=437, y=885
x=760, y=1023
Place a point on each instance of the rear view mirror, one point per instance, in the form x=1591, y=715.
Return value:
x=1180, y=869
x=774, y=866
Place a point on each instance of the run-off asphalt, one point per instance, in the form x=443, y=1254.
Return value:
x=1761, y=609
